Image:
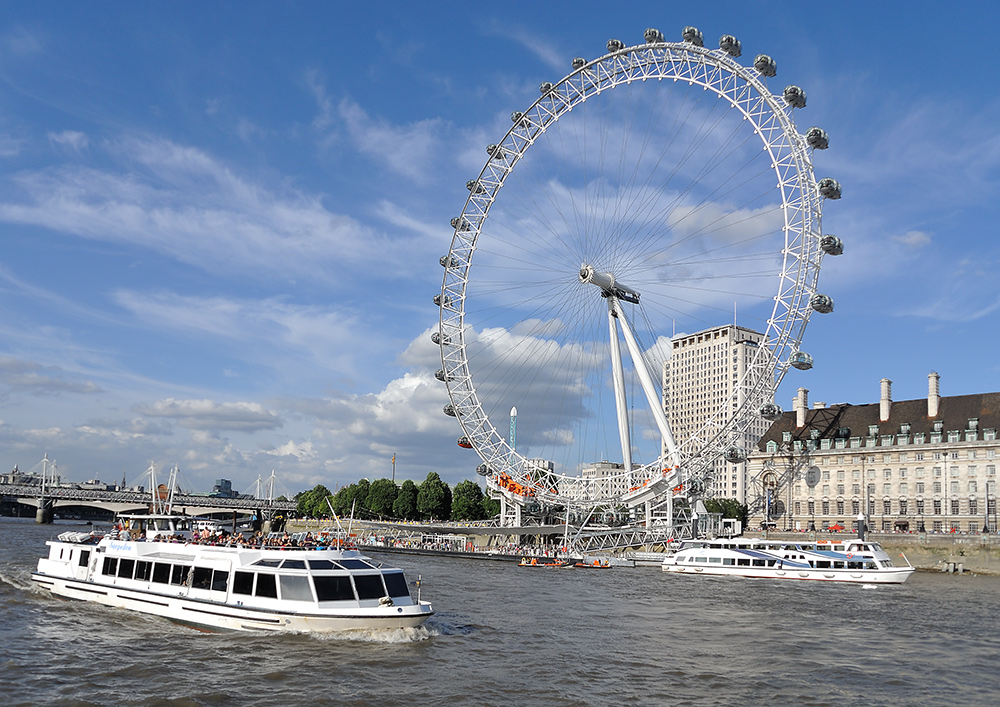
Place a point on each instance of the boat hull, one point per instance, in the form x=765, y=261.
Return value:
x=223, y=616
x=896, y=575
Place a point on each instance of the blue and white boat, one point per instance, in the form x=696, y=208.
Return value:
x=851, y=560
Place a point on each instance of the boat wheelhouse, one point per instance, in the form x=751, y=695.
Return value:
x=852, y=560
x=160, y=565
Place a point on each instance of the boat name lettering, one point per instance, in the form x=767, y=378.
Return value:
x=120, y=546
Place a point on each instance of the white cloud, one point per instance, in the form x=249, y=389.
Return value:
x=206, y=415
x=70, y=141
x=181, y=202
x=407, y=150
x=31, y=377
x=913, y=239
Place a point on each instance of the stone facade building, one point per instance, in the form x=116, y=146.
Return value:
x=913, y=465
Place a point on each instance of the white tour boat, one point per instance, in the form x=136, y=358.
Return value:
x=852, y=560
x=163, y=565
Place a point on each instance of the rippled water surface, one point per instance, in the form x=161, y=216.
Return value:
x=505, y=635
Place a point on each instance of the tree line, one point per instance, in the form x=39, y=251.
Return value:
x=432, y=499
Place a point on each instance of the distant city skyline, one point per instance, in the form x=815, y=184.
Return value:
x=221, y=223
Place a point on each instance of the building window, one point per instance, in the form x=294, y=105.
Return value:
x=954, y=506
x=855, y=489
x=920, y=507
x=887, y=507
x=973, y=506
x=954, y=487
x=936, y=505
x=920, y=487
x=811, y=507
x=826, y=475
x=826, y=508
x=903, y=488
x=872, y=430
x=902, y=473
x=953, y=436
x=871, y=507
x=798, y=507
x=973, y=487
x=887, y=473
x=855, y=507
x=840, y=508
x=902, y=506
x=919, y=472
x=937, y=487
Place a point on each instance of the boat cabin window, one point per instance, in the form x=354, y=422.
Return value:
x=243, y=583
x=142, y=570
x=335, y=588
x=369, y=586
x=126, y=568
x=178, y=574
x=728, y=560
x=395, y=584
x=220, y=580
x=266, y=586
x=355, y=565
x=743, y=562
x=758, y=563
x=84, y=557
x=293, y=565
x=715, y=559
x=701, y=559
x=822, y=564
x=202, y=578
x=161, y=573
x=110, y=566
x=295, y=588
x=268, y=563
x=322, y=565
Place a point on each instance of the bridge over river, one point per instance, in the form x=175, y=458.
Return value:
x=53, y=497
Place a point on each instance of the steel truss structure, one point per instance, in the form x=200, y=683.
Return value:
x=635, y=224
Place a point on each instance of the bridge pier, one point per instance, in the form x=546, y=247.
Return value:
x=44, y=513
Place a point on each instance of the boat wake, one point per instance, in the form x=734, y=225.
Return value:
x=385, y=635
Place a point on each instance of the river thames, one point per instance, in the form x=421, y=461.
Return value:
x=504, y=635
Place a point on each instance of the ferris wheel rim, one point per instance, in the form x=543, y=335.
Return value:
x=714, y=70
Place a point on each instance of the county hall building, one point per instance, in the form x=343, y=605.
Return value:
x=911, y=466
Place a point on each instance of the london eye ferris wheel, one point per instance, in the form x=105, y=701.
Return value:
x=646, y=193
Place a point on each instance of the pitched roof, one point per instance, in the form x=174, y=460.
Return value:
x=831, y=422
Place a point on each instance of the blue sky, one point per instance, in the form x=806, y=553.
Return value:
x=220, y=222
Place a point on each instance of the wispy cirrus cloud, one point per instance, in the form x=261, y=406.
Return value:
x=183, y=203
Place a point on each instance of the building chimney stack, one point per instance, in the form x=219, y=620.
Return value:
x=801, y=404
x=885, y=400
x=818, y=405
x=933, y=394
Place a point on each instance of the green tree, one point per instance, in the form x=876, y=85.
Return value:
x=491, y=507
x=353, y=497
x=313, y=502
x=467, y=501
x=434, y=498
x=381, y=496
x=728, y=507
x=405, y=505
